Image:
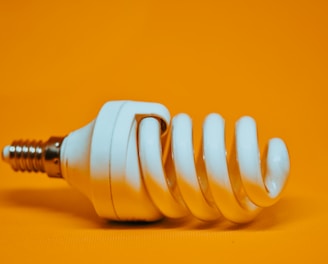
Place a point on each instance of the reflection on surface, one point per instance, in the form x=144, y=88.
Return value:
x=69, y=205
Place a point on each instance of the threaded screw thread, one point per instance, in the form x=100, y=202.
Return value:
x=26, y=156
x=35, y=156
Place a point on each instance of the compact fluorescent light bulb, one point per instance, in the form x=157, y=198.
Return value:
x=135, y=164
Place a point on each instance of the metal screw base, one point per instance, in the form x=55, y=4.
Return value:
x=35, y=156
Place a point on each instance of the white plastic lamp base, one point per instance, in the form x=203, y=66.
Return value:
x=102, y=161
x=136, y=165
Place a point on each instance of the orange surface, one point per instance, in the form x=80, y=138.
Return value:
x=61, y=60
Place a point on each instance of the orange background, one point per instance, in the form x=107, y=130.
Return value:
x=61, y=60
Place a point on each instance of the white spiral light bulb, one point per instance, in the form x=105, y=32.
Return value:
x=136, y=165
